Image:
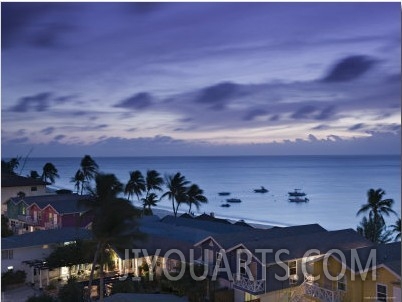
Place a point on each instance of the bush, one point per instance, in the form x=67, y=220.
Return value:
x=72, y=292
x=42, y=298
x=11, y=277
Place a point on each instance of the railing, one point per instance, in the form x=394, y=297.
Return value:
x=51, y=225
x=28, y=219
x=251, y=286
x=321, y=293
x=311, y=289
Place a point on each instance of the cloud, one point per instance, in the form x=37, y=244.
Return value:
x=304, y=112
x=320, y=127
x=254, y=113
x=38, y=102
x=349, y=68
x=218, y=95
x=357, y=127
x=138, y=101
x=59, y=137
x=48, y=130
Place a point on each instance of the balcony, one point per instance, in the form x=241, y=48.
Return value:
x=28, y=220
x=315, y=291
x=254, y=287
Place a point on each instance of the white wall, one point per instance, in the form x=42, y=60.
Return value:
x=23, y=254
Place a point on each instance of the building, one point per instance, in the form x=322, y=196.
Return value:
x=28, y=251
x=46, y=212
x=13, y=185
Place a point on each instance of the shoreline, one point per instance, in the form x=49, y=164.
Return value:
x=160, y=212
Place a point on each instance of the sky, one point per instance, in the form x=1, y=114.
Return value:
x=138, y=79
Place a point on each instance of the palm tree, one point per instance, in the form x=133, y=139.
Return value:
x=396, y=228
x=376, y=206
x=135, y=185
x=10, y=166
x=375, y=232
x=89, y=167
x=153, y=182
x=78, y=180
x=195, y=197
x=149, y=202
x=176, y=185
x=114, y=223
x=49, y=172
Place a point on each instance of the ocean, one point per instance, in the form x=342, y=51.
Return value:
x=335, y=185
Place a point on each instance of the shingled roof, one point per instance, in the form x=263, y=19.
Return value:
x=62, y=203
x=38, y=238
x=11, y=180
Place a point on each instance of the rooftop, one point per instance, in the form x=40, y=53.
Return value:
x=38, y=238
x=11, y=180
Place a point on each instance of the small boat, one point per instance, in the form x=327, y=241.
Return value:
x=233, y=200
x=225, y=205
x=297, y=193
x=299, y=199
x=262, y=190
x=224, y=193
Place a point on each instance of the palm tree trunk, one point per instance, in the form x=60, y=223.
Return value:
x=177, y=208
x=101, y=284
x=91, y=275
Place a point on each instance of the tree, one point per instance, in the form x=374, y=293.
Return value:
x=78, y=180
x=153, y=182
x=114, y=223
x=89, y=168
x=374, y=231
x=396, y=229
x=195, y=197
x=176, y=185
x=376, y=206
x=135, y=185
x=149, y=202
x=49, y=172
x=10, y=166
x=5, y=228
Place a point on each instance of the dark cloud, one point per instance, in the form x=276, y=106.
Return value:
x=357, y=127
x=138, y=101
x=48, y=130
x=38, y=102
x=305, y=112
x=218, y=95
x=320, y=127
x=275, y=118
x=59, y=137
x=49, y=36
x=102, y=126
x=326, y=113
x=23, y=22
x=252, y=114
x=349, y=69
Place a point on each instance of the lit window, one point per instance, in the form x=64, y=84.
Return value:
x=292, y=268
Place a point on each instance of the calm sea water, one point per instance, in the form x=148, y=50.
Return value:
x=336, y=185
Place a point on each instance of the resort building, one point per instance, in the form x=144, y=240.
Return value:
x=28, y=252
x=15, y=185
x=242, y=263
x=43, y=212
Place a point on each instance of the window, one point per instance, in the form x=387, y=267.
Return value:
x=33, y=189
x=292, y=268
x=7, y=254
x=342, y=283
x=381, y=292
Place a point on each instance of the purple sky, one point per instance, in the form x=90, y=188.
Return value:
x=200, y=78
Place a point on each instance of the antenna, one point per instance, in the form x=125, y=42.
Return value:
x=25, y=160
